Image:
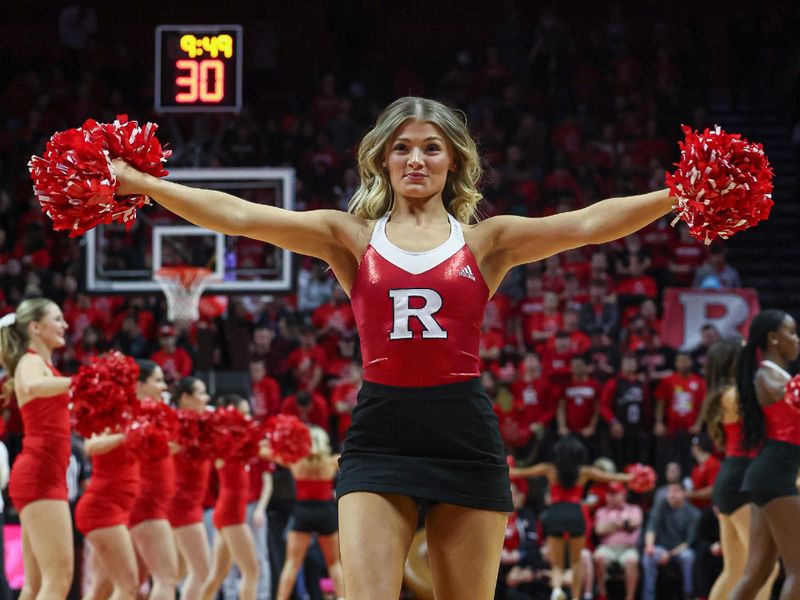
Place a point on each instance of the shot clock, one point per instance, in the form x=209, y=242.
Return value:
x=198, y=68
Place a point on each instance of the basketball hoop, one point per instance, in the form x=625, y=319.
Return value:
x=183, y=287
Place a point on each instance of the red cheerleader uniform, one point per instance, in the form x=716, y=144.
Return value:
x=234, y=490
x=191, y=481
x=40, y=470
x=112, y=490
x=156, y=488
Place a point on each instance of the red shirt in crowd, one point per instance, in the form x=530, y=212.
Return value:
x=703, y=476
x=175, y=365
x=535, y=399
x=683, y=397
x=497, y=312
x=638, y=286
x=581, y=398
x=303, y=362
x=315, y=414
x=579, y=343
x=555, y=367
x=344, y=398
x=542, y=322
x=266, y=397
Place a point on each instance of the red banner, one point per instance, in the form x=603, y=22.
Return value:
x=686, y=310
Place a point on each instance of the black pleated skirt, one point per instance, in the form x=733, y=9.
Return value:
x=434, y=444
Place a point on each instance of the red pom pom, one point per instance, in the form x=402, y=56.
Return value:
x=153, y=427
x=288, y=438
x=74, y=182
x=236, y=436
x=196, y=433
x=793, y=392
x=103, y=394
x=644, y=478
x=723, y=184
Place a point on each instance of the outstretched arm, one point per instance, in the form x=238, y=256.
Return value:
x=320, y=233
x=595, y=474
x=538, y=470
x=514, y=240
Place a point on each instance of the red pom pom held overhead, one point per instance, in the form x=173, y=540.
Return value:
x=792, y=395
x=288, y=438
x=103, y=394
x=74, y=181
x=723, y=184
x=236, y=437
x=643, y=480
x=196, y=435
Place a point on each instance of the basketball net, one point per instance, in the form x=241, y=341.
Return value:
x=183, y=287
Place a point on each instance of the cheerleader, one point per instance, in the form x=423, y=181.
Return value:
x=38, y=484
x=149, y=525
x=314, y=512
x=724, y=425
x=103, y=512
x=567, y=476
x=186, y=507
x=769, y=419
x=234, y=541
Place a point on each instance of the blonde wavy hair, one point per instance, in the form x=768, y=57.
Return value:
x=374, y=196
x=14, y=338
x=320, y=442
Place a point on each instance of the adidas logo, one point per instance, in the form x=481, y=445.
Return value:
x=467, y=272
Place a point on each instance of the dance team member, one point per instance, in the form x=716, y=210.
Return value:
x=186, y=507
x=38, y=483
x=314, y=512
x=234, y=541
x=724, y=425
x=419, y=276
x=103, y=512
x=565, y=517
x=771, y=425
x=149, y=523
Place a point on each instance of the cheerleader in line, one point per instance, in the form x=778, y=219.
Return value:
x=724, y=424
x=234, y=541
x=103, y=512
x=768, y=418
x=38, y=483
x=186, y=507
x=149, y=525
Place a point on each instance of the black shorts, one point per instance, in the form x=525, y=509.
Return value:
x=563, y=518
x=314, y=516
x=772, y=474
x=433, y=444
x=727, y=494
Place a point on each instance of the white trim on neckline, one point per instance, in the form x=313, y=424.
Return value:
x=778, y=368
x=416, y=262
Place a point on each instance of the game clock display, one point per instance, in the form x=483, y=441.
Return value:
x=198, y=68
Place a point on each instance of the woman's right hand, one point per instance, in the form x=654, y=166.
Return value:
x=128, y=178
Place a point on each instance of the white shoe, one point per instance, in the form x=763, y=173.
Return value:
x=558, y=594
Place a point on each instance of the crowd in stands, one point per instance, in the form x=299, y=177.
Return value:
x=566, y=112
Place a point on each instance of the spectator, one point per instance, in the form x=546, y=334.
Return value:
x=628, y=397
x=601, y=310
x=556, y=362
x=704, y=472
x=173, y=360
x=314, y=286
x=618, y=527
x=544, y=324
x=579, y=342
x=716, y=273
x=309, y=407
x=686, y=256
x=679, y=398
x=709, y=335
x=307, y=363
x=655, y=358
x=603, y=355
x=579, y=406
x=344, y=396
x=265, y=393
x=670, y=528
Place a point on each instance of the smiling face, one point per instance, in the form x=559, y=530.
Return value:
x=154, y=386
x=419, y=159
x=50, y=329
